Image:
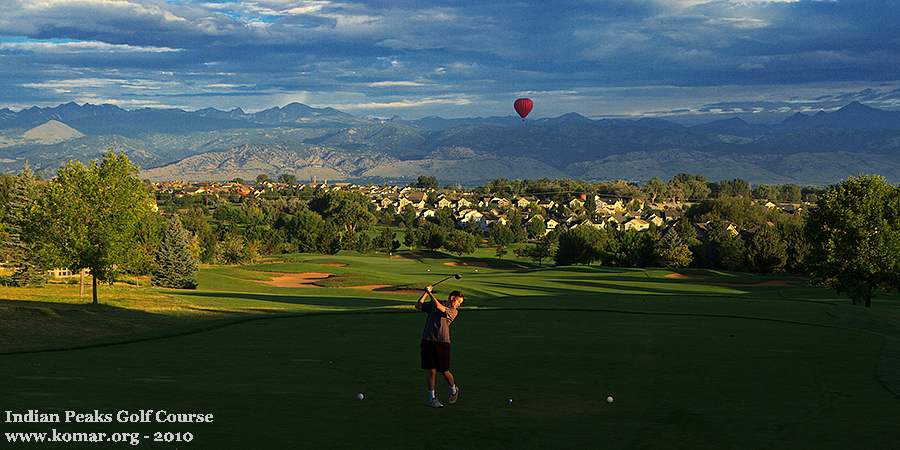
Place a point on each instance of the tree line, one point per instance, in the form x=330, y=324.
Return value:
x=681, y=188
x=101, y=218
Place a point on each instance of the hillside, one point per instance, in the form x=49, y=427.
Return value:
x=324, y=143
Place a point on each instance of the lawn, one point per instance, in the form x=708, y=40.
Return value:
x=736, y=362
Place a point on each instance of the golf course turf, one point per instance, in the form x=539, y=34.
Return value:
x=737, y=362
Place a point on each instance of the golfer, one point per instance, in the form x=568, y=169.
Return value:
x=436, y=340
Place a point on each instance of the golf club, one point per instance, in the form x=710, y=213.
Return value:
x=456, y=275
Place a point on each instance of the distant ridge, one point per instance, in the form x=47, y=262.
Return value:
x=206, y=144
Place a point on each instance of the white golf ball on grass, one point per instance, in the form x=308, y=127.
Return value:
x=360, y=396
x=608, y=399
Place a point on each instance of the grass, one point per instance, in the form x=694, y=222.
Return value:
x=735, y=364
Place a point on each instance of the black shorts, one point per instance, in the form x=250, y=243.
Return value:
x=436, y=355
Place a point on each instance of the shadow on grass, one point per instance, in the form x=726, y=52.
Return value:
x=334, y=301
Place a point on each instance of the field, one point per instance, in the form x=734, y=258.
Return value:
x=693, y=360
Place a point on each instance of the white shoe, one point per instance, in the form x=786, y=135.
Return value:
x=434, y=403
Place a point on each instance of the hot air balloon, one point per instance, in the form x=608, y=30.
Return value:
x=523, y=107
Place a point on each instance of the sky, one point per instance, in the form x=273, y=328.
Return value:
x=454, y=58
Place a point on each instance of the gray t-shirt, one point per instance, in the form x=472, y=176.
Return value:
x=437, y=326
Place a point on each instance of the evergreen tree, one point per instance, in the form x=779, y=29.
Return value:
x=431, y=237
x=385, y=241
x=766, y=252
x=18, y=252
x=176, y=265
x=364, y=244
x=410, y=238
x=672, y=251
x=724, y=249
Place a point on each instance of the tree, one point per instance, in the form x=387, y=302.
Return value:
x=408, y=216
x=515, y=222
x=88, y=215
x=629, y=248
x=364, y=244
x=580, y=245
x=410, y=237
x=672, y=251
x=764, y=192
x=176, y=264
x=424, y=182
x=766, y=252
x=385, y=241
x=348, y=211
x=431, y=236
x=232, y=248
x=459, y=242
x=287, y=178
x=724, y=249
x=536, y=227
x=653, y=187
x=854, y=238
x=14, y=245
x=501, y=234
x=310, y=233
x=539, y=251
x=148, y=234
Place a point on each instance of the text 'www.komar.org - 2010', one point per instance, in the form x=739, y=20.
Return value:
x=96, y=417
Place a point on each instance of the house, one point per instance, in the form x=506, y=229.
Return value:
x=551, y=225
x=469, y=216
x=417, y=197
x=657, y=220
x=444, y=202
x=524, y=202
x=637, y=225
x=617, y=220
x=672, y=215
x=462, y=204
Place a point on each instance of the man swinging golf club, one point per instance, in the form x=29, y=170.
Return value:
x=436, y=340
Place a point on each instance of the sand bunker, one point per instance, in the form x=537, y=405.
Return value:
x=297, y=279
x=408, y=256
x=764, y=283
x=308, y=279
x=467, y=264
x=711, y=283
x=683, y=275
x=479, y=264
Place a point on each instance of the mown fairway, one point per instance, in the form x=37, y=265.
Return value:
x=689, y=365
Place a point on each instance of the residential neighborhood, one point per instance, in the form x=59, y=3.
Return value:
x=473, y=211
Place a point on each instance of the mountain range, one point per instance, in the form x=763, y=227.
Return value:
x=327, y=144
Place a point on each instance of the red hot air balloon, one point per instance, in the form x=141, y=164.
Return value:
x=523, y=107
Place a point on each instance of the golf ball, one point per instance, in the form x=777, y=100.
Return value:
x=360, y=396
x=510, y=400
x=608, y=399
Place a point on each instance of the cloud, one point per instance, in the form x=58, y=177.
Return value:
x=422, y=56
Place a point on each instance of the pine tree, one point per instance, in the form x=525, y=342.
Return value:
x=18, y=252
x=176, y=265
